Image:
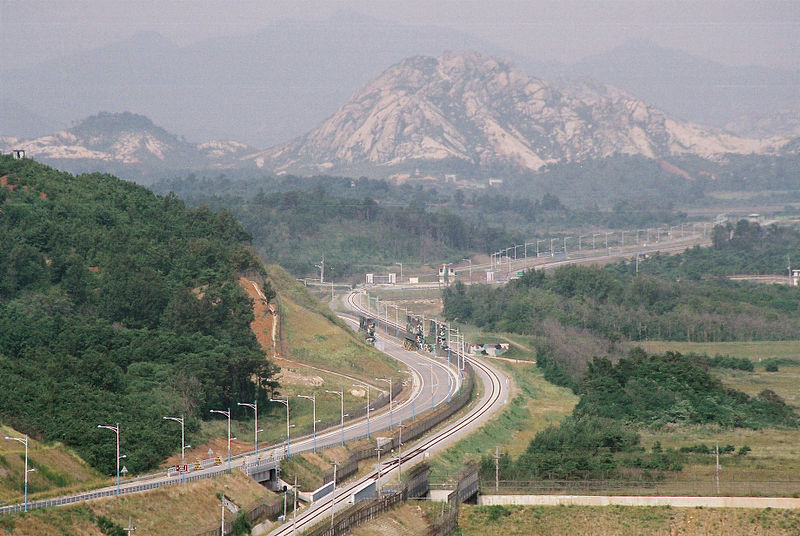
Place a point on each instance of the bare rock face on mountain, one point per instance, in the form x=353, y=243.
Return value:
x=470, y=110
x=115, y=141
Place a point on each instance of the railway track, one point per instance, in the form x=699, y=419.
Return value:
x=494, y=396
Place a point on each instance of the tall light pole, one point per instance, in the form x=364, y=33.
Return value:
x=183, y=444
x=313, y=399
x=285, y=402
x=114, y=429
x=401, y=271
x=389, y=381
x=254, y=407
x=24, y=441
x=340, y=394
x=365, y=386
x=228, y=415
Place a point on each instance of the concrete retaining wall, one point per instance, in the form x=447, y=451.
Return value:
x=606, y=500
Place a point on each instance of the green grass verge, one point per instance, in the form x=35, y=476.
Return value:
x=535, y=404
x=624, y=521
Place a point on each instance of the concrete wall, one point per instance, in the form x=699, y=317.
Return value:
x=605, y=500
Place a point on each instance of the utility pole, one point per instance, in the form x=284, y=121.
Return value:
x=716, y=466
x=333, y=494
x=294, y=507
x=130, y=528
x=222, y=523
x=378, y=481
x=400, y=453
x=321, y=267
x=496, y=468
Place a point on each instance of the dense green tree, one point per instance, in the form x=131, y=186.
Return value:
x=119, y=306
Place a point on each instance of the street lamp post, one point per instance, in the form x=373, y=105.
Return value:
x=401, y=271
x=228, y=415
x=254, y=407
x=183, y=444
x=24, y=441
x=285, y=402
x=313, y=399
x=389, y=381
x=365, y=386
x=470, y=270
x=114, y=429
x=340, y=394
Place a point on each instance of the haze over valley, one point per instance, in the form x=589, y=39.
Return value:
x=277, y=268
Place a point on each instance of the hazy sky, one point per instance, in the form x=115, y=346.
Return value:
x=732, y=32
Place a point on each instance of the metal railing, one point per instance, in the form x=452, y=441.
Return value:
x=249, y=469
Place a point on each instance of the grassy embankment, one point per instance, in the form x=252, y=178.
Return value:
x=318, y=351
x=625, y=520
x=534, y=405
x=58, y=469
x=170, y=511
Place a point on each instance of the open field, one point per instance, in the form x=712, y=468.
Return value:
x=170, y=511
x=755, y=351
x=625, y=520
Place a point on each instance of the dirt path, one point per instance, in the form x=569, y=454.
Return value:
x=515, y=343
x=265, y=316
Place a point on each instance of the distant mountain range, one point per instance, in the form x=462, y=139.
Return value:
x=126, y=143
x=271, y=86
x=471, y=111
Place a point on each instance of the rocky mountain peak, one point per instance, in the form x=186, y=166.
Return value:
x=470, y=109
x=108, y=140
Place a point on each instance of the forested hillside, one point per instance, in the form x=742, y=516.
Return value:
x=118, y=306
x=618, y=306
x=741, y=248
x=359, y=224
